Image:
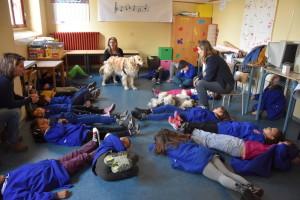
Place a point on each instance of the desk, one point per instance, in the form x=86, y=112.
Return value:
x=253, y=66
x=51, y=66
x=87, y=53
x=290, y=76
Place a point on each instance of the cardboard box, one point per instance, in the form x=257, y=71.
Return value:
x=205, y=10
x=165, y=64
x=54, y=53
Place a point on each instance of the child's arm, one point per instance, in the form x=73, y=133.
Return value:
x=64, y=194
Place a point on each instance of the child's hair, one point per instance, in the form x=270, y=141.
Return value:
x=165, y=137
x=42, y=101
x=276, y=86
x=32, y=116
x=37, y=134
x=225, y=116
x=182, y=64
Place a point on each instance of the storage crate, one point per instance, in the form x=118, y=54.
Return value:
x=165, y=64
x=165, y=53
x=54, y=53
x=153, y=62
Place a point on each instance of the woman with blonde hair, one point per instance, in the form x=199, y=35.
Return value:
x=216, y=76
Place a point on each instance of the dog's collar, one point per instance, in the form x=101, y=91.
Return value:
x=123, y=69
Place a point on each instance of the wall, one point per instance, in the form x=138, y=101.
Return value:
x=285, y=27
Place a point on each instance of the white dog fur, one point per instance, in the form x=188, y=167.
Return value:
x=127, y=67
x=181, y=100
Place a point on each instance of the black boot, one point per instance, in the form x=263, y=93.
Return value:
x=146, y=111
x=246, y=192
x=138, y=115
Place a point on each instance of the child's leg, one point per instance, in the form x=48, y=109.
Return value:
x=76, y=70
x=119, y=131
x=173, y=69
x=103, y=171
x=188, y=82
x=225, y=143
x=166, y=108
x=178, y=80
x=87, y=148
x=161, y=116
x=188, y=127
x=81, y=96
x=89, y=109
x=221, y=167
x=92, y=119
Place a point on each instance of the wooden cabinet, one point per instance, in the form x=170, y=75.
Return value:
x=186, y=32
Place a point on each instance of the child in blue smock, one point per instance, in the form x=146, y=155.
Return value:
x=273, y=100
x=190, y=157
x=246, y=131
x=195, y=114
x=67, y=134
x=111, y=147
x=37, y=180
x=185, y=75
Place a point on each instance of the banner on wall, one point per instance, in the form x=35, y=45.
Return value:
x=135, y=10
x=257, y=23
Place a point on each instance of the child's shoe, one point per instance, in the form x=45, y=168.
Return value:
x=153, y=81
x=155, y=92
x=114, y=158
x=134, y=130
x=122, y=165
x=177, y=116
x=174, y=123
x=110, y=109
x=96, y=136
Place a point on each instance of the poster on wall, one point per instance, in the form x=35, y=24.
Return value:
x=70, y=11
x=135, y=10
x=257, y=23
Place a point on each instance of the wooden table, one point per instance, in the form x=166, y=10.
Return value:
x=51, y=66
x=294, y=77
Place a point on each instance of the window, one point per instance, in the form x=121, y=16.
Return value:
x=17, y=15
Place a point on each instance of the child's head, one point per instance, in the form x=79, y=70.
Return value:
x=43, y=100
x=38, y=112
x=274, y=82
x=182, y=64
x=38, y=128
x=126, y=141
x=222, y=113
x=293, y=151
x=273, y=135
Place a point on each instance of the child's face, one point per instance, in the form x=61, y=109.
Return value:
x=271, y=133
x=186, y=68
x=38, y=112
x=218, y=111
x=43, y=124
x=125, y=141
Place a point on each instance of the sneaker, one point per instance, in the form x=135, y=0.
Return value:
x=177, y=116
x=96, y=136
x=138, y=115
x=255, y=190
x=129, y=123
x=183, y=128
x=153, y=81
x=91, y=85
x=174, y=123
x=158, y=82
x=135, y=130
x=114, y=158
x=110, y=109
x=121, y=166
x=95, y=94
x=155, y=92
x=92, y=89
x=106, y=114
x=121, y=117
x=246, y=192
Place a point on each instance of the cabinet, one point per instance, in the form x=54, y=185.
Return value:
x=186, y=32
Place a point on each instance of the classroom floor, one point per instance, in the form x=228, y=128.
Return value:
x=156, y=180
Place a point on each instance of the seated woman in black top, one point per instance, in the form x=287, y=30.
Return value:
x=216, y=77
x=112, y=50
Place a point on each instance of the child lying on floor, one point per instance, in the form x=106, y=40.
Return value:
x=67, y=134
x=113, y=161
x=35, y=181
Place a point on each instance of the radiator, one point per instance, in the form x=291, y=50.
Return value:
x=79, y=40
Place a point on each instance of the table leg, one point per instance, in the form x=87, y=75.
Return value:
x=262, y=84
x=249, y=90
x=53, y=79
x=62, y=74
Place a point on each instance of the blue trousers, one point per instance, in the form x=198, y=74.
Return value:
x=81, y=96
x=163, y=112
x=11, y=119
x=182, y=81
x=92, y=119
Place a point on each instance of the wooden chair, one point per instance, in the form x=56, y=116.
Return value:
x=242, y=78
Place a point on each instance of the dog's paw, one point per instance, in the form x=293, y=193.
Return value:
x=103, y=84
x=134, y=88
x=126, y=88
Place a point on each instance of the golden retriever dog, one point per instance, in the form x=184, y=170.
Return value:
x=127, y=67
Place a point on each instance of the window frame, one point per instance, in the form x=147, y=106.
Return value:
x=12, y=13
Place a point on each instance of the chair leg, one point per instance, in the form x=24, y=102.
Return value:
x=229, y=98
x=242, y=103
x=223, y=102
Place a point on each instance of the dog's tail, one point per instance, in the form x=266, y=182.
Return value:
x=101, y=70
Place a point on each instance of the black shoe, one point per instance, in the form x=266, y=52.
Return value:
x=246, y=192
x=121, y=118
x=183, y=86
x=255, y=190
x=138, y=115
x=135, y=130
x=129, y=122
x=95, y=94
x=146, y=111
x=90, y=85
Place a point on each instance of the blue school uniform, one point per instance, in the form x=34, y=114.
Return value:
x=273, y=102
x=60, y=100
x=53, y=109
x=110, y=143
x=34, y=181
x=242, y=130
x=190, y=74
x=198, y=114
x=189, y=157
x=66, y=134
x=83, y=119
x=277, y=157
x=81, y=96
